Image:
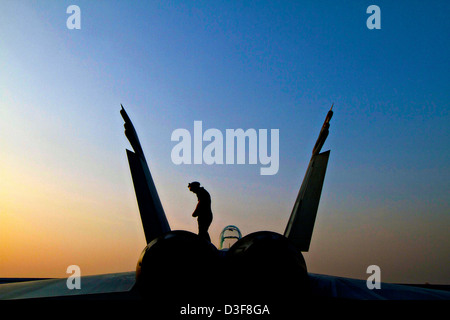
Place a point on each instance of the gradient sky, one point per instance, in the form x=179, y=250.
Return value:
x=66, y=195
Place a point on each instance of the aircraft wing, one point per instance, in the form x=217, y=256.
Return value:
x=324, y=286
x=114, y=285
x=121, y=286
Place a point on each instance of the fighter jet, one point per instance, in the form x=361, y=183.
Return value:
x=181, y=266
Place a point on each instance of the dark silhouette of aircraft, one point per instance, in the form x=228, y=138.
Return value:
x=179, y=265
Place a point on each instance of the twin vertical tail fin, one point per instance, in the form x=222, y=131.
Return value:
x=153, y=218
x=300, y=226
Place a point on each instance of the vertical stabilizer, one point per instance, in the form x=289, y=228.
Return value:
x=300, y=226
x=153, y=218
x=301, y=223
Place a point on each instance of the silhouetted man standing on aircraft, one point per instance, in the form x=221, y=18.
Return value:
x=203, y=209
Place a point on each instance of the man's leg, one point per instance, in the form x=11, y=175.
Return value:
x=203, y=230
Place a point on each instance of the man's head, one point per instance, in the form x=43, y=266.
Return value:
x=194, y=186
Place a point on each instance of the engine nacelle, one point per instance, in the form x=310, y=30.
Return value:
x=176, y=263
x=181, y=264
x=269, y=264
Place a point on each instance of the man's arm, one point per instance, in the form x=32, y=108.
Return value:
x=195, y=213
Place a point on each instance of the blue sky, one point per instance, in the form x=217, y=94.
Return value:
x=262, y=65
